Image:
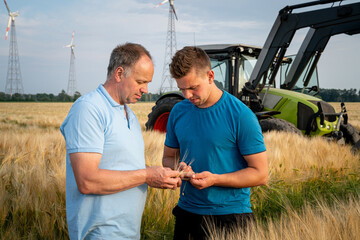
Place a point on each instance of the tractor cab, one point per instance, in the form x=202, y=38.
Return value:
x=232, y=64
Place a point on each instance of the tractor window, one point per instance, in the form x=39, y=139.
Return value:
x=220, y=65
x=220, y=68
x=247, y=64
x=311, y=89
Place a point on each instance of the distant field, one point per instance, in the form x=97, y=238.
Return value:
x=313, y=191
x=353, y=110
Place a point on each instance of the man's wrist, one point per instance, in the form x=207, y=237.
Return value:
x=217, y=178
x=145, y=173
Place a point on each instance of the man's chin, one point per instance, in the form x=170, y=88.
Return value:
x=194, y=101
x=135, y=100
x=198, y=103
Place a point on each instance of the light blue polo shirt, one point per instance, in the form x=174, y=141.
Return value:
x=96, y=123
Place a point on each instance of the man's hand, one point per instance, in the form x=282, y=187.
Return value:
x=164, y=178
x=186, y=171
x=203, y=180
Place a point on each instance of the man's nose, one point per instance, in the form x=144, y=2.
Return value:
x=144, y=89
x=187, y=94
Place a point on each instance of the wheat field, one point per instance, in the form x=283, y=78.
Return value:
x=32, y=173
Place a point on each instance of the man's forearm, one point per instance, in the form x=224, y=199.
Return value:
x=111, y=181
x=171, y=157
x=90, y=179
x=247, y=177
x=254, y=175
x=170, y=162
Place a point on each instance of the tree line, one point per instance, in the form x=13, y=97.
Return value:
x=39, y=97
x=337, y=95
x=328, y=95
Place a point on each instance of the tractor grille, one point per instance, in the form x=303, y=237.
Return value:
x=303, y=115
x=327, y=108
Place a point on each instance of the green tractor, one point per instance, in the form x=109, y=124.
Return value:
x=287, y=102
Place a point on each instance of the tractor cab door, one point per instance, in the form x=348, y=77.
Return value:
x=312, y=87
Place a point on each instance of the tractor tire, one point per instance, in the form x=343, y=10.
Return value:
x=350, y=133
x=276, y=124
x=356, y=148
x=158, y=118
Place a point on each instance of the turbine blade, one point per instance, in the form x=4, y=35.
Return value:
x=7, y=7
x=7, y=29
x=173, y=9
x=72, y=37
x=158, y=4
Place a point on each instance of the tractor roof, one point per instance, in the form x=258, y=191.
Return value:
x=218, y=48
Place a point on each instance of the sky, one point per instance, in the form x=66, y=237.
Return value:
x=44, y=27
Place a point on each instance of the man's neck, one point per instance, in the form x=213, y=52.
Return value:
x=213, y=98
x=112, y=90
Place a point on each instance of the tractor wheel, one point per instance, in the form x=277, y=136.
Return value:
x=356, y=148
x=158, y=118
x=276, y=124
x=350, y=133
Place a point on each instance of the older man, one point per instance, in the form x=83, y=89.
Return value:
x=106, y=177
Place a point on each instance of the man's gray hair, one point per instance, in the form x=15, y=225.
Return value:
x=126, y=55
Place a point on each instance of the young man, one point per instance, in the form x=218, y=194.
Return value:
x=223, y=140
x=106, y=177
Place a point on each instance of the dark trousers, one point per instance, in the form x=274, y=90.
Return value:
x=193, y=226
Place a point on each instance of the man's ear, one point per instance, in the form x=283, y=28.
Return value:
x=119, y=73
x=211, y=76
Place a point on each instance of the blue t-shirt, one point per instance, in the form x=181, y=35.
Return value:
x=214, y=139
x=96, y=123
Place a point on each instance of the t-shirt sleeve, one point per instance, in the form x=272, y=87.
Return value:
x=171, y=139
x=250, y=137
x=83, y=129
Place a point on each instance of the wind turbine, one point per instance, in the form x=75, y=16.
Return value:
x=13, y=79
x=171, y=6
x=170, y=47
x=72, y=77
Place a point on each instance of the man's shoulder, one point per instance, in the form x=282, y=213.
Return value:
x=91, y=102
x=184, y=104
x=231, y=98
x=91, y=98
x=234, y=104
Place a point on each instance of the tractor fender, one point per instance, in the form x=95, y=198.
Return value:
x=266, y=114
x=159, y=115
x=172, y=94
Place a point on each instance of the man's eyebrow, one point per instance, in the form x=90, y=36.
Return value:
x=143, y=81
x=193, y=86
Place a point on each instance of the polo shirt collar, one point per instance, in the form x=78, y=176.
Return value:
x=112, y=102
